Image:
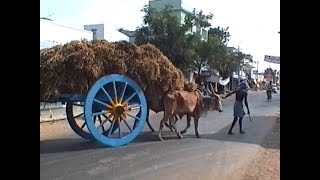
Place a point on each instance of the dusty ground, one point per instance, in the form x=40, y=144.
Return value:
x=54, y=130
x=60, y=129
x=247, y=158
x=266, y=165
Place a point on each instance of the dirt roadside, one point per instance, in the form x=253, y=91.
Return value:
x=266, y=165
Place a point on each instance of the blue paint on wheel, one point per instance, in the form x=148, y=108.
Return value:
x=101, y=95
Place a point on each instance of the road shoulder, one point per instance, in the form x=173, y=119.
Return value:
x=266, y=164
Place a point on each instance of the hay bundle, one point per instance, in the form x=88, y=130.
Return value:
x=74, y=67
x=66, y=68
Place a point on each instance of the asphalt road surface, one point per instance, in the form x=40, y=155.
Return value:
x=216, y=155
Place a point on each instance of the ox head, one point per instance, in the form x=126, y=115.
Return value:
x=215, y=103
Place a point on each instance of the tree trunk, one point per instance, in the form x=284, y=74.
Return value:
x=199, y=69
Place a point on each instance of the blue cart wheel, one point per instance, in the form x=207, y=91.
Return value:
x=75, y=117
x=121, y=103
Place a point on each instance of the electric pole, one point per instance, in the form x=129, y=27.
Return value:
x=239, y=66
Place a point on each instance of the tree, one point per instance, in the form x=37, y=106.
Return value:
x=199, y=52
x=187, y=50
x=223, y=59
x=272, y=72
x=221, y=33
x=226, y=59
x=165, y=31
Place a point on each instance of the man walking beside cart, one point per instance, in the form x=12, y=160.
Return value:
x=238, y=111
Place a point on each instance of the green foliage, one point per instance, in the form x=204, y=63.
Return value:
x=163, y=29
x=186, y=50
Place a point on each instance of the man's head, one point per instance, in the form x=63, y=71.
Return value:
x=243, y=85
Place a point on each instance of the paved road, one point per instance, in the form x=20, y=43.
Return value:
x=215, y=155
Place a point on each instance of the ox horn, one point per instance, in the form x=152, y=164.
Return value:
x=212, y=90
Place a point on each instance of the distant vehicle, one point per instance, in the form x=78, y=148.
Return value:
x=274, y=88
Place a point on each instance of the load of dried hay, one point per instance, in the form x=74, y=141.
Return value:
x=74, y=67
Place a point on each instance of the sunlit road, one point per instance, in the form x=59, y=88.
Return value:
x=213, y=156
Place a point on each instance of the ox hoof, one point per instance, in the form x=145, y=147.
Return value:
x=198, y=136
x=152, y=130
x=169, y=127
x=183, y=132
x=160, y=138
x=180, y=136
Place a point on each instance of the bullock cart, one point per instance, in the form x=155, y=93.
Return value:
x=108, y=88
x=114, y=110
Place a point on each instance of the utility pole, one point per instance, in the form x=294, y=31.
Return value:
x=257, y=69
x=257, y=74
x=239, y=67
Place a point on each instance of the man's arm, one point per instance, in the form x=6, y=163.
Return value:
x=246, y=102
x=229, y=94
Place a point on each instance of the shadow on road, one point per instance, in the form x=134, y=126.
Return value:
x=68, y=144
x=267, y=138
x=252, y=136
x=79, y=144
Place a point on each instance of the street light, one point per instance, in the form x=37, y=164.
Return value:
x=237, y=55
x=257, y=75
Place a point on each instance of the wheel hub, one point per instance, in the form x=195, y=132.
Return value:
x=118, y=111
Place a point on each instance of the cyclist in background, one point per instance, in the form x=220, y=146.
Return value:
x=269, y=91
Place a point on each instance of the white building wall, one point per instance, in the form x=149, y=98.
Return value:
x=132, y=40
x=97, y=30
x=52, y=34
x=161, y=4
x=182, y=17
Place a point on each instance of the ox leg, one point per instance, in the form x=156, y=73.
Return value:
x=176, y=118
x=173, y=124
x=150, y=127
x=188, y=125
x=169, y=125
x=162, y=122
x=196, y=122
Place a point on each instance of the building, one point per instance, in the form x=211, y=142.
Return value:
x=247, y=69
x=96, y=29
x=52, y=34
x=130, y=34
x=179, y=8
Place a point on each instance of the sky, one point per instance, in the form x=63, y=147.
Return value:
x=253, y=24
